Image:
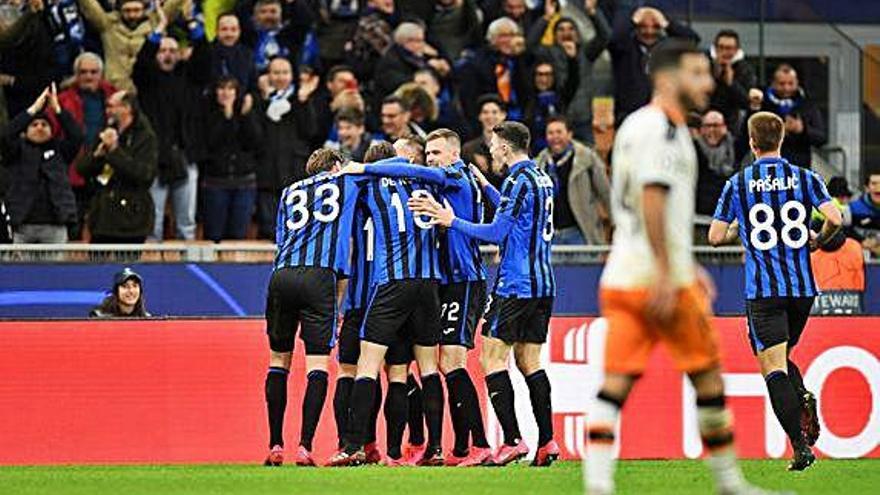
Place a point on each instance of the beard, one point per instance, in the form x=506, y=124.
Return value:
x=133, y=23
x=690, y=104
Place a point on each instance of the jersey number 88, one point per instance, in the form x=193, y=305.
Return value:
x=762, y=217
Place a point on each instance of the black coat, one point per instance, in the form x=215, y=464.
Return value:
x=40, y=170
x=796, y=148
x=236, y=61
x=286, y=144
x=171, y=102
x=26, y=53
x=732, y=101
x=123, y=206
x=629, y=59
x=232, y=145
x=476, y=77
x=396, y=67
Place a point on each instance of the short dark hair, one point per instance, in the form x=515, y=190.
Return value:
x=783, y=68
x=227, y=13
x=379, y=151
x=338, y=69
x=443, y=133
x=352, y=115
x=668, y=54
x=559, y=119
x=727, y=33
x=265, y=2
x=514, y=134
x=491, y=98
x=394, y=99
x=869, y=174
x=323, y=160
x=766, y=131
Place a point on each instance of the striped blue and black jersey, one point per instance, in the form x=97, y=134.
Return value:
x=527, y=200
x=460, y=259
x=404, y=245
x=314, y=222
x=361, y=260
x=772, y=200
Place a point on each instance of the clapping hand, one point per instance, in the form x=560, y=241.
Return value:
x=439, y=214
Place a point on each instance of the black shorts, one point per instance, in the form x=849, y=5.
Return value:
x=401, y=314
x=349, y=337
x=304, y=297
x=461, y=307
x=775, y=320
x=518, y=320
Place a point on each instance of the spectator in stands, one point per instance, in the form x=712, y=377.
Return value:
x=123, y=165
x=581, y=208
x=408, y=54
x=25, y=59
x=354, y=140
x=716, y=159
x=229, y=186
x=864, y=212
x=169, y=89
x=371, y=38
x=229, y=57
x=630, y=48
x=572, y=60
x=397, y=121
x=734, y=77
x=40, y=201
x=455, y=26
x=126, y=300
x=412, y=148
x=67, y=28
x=271, y=32
x=423, y=110
x=288, y=116
x=123, y=33
x=546, y=100
x=339, y=78
x=516, y=10
x=476, y=151
x=85, y=101
x=337, y=21
x=804, y=125
x=448, y=110
x=500, y=68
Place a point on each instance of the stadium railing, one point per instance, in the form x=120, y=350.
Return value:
x=261, y=252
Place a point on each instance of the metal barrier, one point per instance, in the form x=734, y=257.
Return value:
x=260, y=252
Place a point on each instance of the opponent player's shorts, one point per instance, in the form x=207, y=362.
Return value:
x=304, y=297
x=349, y=345
x=775, y=320
x=401, y=314
x=461, y=307
x=689, y=337
x=515, y=320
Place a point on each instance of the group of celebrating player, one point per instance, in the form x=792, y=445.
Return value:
x=405, y=240
x=416, y=291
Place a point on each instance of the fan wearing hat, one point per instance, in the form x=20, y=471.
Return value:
x=126, y=300
x=40, y=200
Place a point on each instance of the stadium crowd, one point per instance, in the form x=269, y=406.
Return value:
x=115, y=112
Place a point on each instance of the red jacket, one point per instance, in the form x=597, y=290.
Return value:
x=70, y=100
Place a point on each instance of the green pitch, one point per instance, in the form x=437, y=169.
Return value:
x=634, y=477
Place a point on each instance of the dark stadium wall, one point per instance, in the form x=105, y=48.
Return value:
x=220, y=289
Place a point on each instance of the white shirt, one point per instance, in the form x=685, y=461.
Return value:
x=649, y=149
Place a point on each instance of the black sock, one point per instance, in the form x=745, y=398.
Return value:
x=276, y=403
x=797, y=381
x=341, y=401
x=472, y=411
x=457, y=411
x=416, y=412
x=786, y=406
x=433, y=392
x=374, y=415
x=539, y=393
x=362, y=396
x=313, y=404
x=501, y=395
x=395, y=417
